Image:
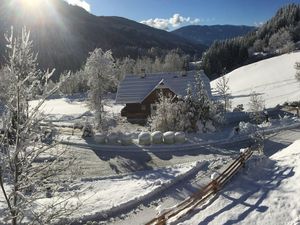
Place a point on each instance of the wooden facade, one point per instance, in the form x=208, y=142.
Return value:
x=139, y=112
x=140, y=94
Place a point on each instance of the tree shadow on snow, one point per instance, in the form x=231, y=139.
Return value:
x=271, y=147
x=122, y=161
x=250, y=188
x=202, y=150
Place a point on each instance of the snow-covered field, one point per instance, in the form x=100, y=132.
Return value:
x=274, y=79
x=267, y=192
x=105, y=195
x=65, y=109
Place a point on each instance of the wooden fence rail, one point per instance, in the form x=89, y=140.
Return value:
x=200, y=197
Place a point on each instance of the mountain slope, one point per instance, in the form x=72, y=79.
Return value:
x=274, y=79
x=208, y=34
x=64, y=34
x=277, y=36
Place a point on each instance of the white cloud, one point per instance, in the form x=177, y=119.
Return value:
x=80, y=3
x=175, y=21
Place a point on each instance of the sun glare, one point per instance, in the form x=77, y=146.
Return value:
x=31, y=4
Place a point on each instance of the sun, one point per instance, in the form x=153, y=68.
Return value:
x=31, y=4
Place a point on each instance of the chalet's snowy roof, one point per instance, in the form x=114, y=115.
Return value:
x=135, y=88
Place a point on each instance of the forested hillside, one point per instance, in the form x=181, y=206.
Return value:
x=277, y=36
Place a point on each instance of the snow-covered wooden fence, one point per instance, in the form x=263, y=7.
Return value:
x=203, y=194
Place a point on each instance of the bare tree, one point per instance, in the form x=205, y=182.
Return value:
x=223, y=91
x=31, y=163
x=100, y=70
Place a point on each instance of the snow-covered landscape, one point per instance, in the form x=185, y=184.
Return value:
x=273, y=79
x=112, y=120
x=265, y=192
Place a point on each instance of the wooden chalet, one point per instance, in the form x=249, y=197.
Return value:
x=140, y=93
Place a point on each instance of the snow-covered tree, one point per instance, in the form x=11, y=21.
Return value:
x=76, y=84
x=256, y=107
x=223, y=91
x=31, y=165
x=100, y=70
x=199, y=102
x=183, y=114
x=170, y=115
x=281, y=42
x=173, y=62
x=124, y=67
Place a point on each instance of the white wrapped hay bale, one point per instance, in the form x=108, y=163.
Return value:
x=157, y=137
x=169, y=137
x=126, y=139
x=112, y=138
x=180, y=137
x=100, y=138
x=144, y=138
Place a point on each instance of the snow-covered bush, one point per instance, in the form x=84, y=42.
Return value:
x=157, y=137
x=209, y=126
x=169, y=137
x=144, y=138
x=285, y=120
x=171, y=114
x=112, y=138
x=87, y=130
x=246, y=128
x=180, y=137
x=126, y=139
x=265, y=124
x=100, y=138
x=183, y=114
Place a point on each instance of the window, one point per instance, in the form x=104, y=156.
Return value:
x=143, y=107
x=153, y=108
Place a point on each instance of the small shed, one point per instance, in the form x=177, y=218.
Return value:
x=140, y=93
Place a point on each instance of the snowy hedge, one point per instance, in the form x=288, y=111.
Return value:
x=169, y=137
x=144, y=138
x=157, y=137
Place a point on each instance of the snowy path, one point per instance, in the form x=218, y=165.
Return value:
x=182, y=191
x=112, y=163
x=171, y=197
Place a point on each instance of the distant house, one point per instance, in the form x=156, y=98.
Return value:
x=140, y=93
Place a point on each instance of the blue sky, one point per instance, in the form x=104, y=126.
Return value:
x=170, y=14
